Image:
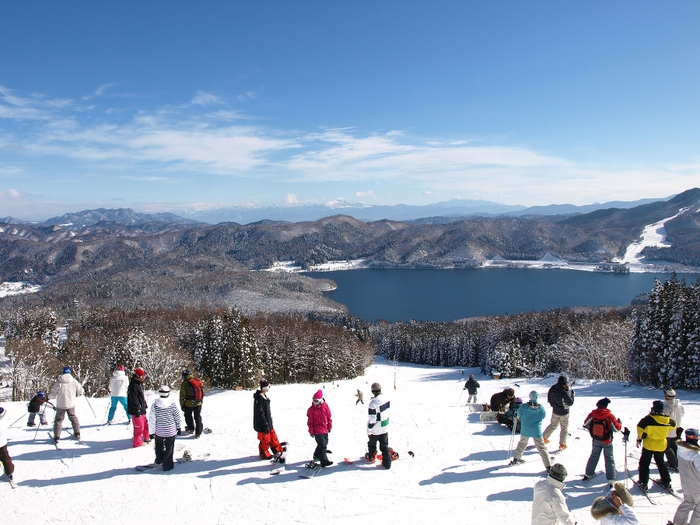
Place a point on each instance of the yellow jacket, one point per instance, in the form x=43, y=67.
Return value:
x=653, y=430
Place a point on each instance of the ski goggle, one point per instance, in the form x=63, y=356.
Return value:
x=318, y=401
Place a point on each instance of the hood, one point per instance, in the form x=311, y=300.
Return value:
x=555, y=482
x=601, y=413
x=602, y=507
x=118, y=373
x=65, y=378
x=163, y=402
x=661, y=419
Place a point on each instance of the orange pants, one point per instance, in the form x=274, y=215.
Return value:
x=268, y=440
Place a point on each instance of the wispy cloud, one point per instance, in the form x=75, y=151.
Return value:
x=202, y=98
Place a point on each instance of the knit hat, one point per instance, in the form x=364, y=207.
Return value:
x=41, y=393
x=318, y=395
x=603, y=403
x=264, y=384
x=66, y=370
x=670, y=392
x=623, y=493
x=376, y=388
x=164, y=391
x=518, y=400
x=563, y=380
x=534, y=397
x=139, y=372
x=558, y=472
x=120, y=367
x=657, y=407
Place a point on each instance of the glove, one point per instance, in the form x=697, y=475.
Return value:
x=679, y=433
x=619, y=420
x=152, y=436
x=179, y=431
x=639, y=442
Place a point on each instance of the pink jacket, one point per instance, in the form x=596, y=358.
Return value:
x=319, y=419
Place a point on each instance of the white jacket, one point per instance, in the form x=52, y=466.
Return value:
x=118, y=384
x=3, y=429
x=674, y=409
x=65, y=390
x=548, y=504
x=164, y=418
x=378, y=411
x=689, y=467
x=626, y=517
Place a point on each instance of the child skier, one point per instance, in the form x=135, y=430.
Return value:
x=319, y=422
x=36, y=406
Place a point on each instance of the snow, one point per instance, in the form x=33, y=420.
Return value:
x=454, y=475
x=16, y=288
x=330, y=266
x=653, y=235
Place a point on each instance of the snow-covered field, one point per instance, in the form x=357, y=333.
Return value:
x=454, y=476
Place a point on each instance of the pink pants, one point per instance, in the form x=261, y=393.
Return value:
x=140, y=430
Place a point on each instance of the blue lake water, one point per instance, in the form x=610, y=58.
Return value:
x=446, y=295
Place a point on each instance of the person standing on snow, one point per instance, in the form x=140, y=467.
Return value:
x=378, y=426
x=118, y=386
x=615, y=508
x=471, y=386
x=360, y=397
x=191, y=400
x=531, y=415
x=318, y=419
x=548, y=502
x=37, y=406
x=137, y=406
x=262, y=422
x=560, y=397
x=601, y=423
x=674, y=409
x=5, y=458
x=65, y=390
x=689, y=467
x=164, y=424
x=652, y=430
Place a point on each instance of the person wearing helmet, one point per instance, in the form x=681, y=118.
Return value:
x=36, y=406
x=689, y=467
x=64, y=391
x=652, y=431
x=378, y=426
x=5, y=458
x=164, y=424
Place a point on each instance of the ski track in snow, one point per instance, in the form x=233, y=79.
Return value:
x=454, y=475
x=653, y=235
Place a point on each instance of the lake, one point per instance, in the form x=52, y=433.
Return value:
x=446, y=295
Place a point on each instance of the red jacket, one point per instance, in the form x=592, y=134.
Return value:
x=604, y=413
x=319, y=419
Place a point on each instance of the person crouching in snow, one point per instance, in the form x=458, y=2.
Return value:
x=164, y=424
x=262, y=422
x=531, y=415
x=615, y=508
x=320, y=424
x=548, y=503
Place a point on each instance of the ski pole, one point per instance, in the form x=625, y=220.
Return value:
x=88, y=402
x=20, y=417
x=460, y=396
x=625, y=439
x=104, y=418
x=512, y=437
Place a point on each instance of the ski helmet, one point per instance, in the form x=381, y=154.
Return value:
x=164, y=391
x=41, y=393
x=186, y=372
x=691, y=435
x=66, y=370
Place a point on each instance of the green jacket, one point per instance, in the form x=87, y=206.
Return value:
x=185, y=392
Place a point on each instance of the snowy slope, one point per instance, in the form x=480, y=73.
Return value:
x=454, y=476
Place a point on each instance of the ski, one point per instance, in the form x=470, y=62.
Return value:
x=310, y=470
x=669, y=490
x=78, y=440
x=587, y=481
x=645, y=492
x=55, y=443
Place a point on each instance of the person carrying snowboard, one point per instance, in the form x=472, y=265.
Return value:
x=36, y=406
x=471, y=386
x=262, y=422
x=560, y=397
x=652, y=431
x=378, y=426
x=118, y=386
x=318, y=419
x=137, y=406
x=64, y=391
x=531, y=415
x=689, y=467
x=601, y=424
x=191, y=400
x=164, y=424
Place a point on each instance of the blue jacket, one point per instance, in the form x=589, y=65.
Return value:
x=531, y=416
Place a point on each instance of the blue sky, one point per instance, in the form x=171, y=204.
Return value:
x=169, y=106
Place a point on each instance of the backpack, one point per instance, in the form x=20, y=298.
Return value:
x=195, y=390
x=600, y=429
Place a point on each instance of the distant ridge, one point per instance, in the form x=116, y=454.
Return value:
x=125, y=216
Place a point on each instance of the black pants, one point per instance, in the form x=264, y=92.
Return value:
x=672, y=453
x=321, y=447
x=165, y=447
x=383, y=440
x=644, y=463
x=193, y=419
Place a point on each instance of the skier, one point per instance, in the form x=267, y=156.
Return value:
x=36, y=406
x=531, y=415
x=191, y=399
x=360, y=397
x=560, y=397
x=652, y=430
x=64, y=391
x=5, y=458
x=262, y=423
x=164, y=424
x=378, y=426
x=117, y=390
x=511, y=415
x=136, y=406
x=601, y=423
x=548, y=503
x=615, y=508
x=689, y=467
x=471, y=386
x=318, y=418
x=500, y=400
x=674, y=409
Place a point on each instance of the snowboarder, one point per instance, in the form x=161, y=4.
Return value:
x=511, y=415
x=117, y=390
x=531, y=415
x=360, y=397
x=500, y=400
x=5, y=458
x=689, y=467
x=318, y=418
x=560, y=397
x=191, y=400
x=64, y=391
x=548, y=503
x=652, y=431
x=36, y=406
x=601, y=424
x=378, y=426
x=674, y=409
x=164, y=424
x=262, y=422
x=471, y=386
x=615, y=508
x=137, y=406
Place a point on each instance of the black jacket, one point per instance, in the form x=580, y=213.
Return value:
x=35, y=404
x=471, y=386
x=561, y=398
x=262, y=418
x=135, y=399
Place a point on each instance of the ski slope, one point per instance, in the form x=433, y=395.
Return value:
x=456, y=474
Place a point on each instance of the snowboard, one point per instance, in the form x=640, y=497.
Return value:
x=488, y=415
x=310, y=470
x=279, y=463
x=186, y=458
x=475, y=407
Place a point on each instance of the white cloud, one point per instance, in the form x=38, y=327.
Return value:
x=202, y=98
x=291, y=199
x=362, y=194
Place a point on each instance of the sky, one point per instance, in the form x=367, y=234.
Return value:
x=168, y=106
